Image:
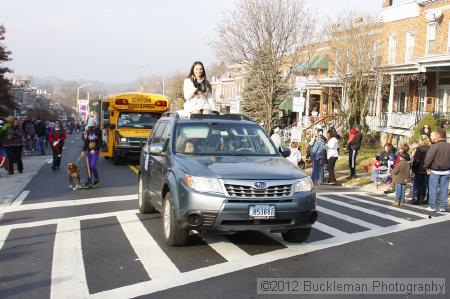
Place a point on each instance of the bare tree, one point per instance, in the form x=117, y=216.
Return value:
x=268, y=37
x=354, y=39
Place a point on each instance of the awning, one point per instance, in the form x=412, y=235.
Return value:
x=286, y=104
x=316, y=62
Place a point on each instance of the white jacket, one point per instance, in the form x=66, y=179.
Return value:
x=194, y=101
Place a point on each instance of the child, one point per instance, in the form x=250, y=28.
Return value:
x=401, y=178
x=295, y=157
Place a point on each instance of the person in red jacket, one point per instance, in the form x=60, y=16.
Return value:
x=57, y=136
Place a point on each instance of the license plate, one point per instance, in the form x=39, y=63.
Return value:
x=261, y=211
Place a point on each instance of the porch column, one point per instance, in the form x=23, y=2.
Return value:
x=307, y=102
x=378, y=96
x=391, y=104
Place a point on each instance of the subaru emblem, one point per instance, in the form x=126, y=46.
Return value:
x=260, y=185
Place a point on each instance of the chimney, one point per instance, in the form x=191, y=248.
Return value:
x=387, y=3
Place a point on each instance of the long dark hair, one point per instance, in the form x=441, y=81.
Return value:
x=191, y=72
x=203, y=85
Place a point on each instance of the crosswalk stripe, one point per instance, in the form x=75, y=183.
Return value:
x=68, y=274
x=67, y=203
x=155, y=261
x=3, y=236
x=385, y=206
x=329, y=230
x=226, y=248
x=347, y=218
x=364, y=210
x=18, y=201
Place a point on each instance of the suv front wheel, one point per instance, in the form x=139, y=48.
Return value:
x=296, y=235
x=143, y=200
x=173, y=235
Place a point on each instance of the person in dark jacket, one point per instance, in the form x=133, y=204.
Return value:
x=353, y=146
x=57, y=136
x=420, y=184
x=91, y=148
x=41, y=133
x=437, y=163
x=401, y=178
x=14, y=145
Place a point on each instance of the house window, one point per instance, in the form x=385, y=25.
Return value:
x=422, y=98
x=439, y=101
x=401, y=101
x=409, y=54
x=392, y=48
x=431, y=38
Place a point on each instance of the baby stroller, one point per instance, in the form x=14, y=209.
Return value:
x=383, y=174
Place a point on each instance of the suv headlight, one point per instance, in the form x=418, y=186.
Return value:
x=303, y=185
x=201, y=184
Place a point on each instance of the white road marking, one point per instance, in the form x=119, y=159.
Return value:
x=3, y=237
x=155, y=285
x=385, y=206
x=68, y=273
x=18, y=201
x=347, y=218
x=329, y=230
x=152, y=257
x=226, y=248
x=53, y=221
x=367, y=211
x=66, y=203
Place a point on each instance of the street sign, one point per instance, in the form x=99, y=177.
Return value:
x=296, y=134
x=298, y=104
x=235, y=106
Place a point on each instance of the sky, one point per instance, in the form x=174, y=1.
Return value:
x=119, y=41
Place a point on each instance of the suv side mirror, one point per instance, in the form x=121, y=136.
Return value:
x=285, y=151
x=156, y=149
x=112, y=126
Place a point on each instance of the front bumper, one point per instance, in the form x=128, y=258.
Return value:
x=128, y=152
x=227, y=214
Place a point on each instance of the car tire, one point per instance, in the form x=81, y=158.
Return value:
x=143, y=199
x=296, y=235
x=116, y=159
x=173, y=236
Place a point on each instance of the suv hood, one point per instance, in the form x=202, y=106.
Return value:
x=241, y=167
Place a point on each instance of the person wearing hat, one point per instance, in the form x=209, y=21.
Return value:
x=353, y=146
x=276, y=138
x=401, y=178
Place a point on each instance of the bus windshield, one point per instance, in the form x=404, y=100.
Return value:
x=145, y=120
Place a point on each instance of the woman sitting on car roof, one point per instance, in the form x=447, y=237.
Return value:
x=197, y=91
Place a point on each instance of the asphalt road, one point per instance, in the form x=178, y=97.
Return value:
x=93, y=243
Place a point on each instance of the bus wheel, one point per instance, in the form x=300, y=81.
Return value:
x=116, y=159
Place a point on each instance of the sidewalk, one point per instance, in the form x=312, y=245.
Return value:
x=12, y=185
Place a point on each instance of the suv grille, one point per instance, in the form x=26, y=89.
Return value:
x=248, y=191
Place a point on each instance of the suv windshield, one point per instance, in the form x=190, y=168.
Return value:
x=223, y=139
x=145, y=120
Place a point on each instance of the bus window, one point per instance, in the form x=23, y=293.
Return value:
x=137, y=119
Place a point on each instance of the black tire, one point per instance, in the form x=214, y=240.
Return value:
x=144, y=204
x=173, y=236
x=296, y=235
x=107, y=158
x=116, y=159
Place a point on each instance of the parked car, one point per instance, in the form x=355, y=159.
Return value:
x=222, y=173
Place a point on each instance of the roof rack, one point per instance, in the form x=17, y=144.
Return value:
x=223, y=116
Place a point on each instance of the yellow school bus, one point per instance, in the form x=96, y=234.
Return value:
x=126, y=121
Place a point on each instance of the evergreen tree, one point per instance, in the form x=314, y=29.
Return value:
x=7, y=103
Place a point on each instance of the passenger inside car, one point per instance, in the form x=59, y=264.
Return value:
x=189, y=146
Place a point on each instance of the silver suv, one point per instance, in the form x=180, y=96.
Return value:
x=222, y=173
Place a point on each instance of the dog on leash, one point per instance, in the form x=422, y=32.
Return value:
x=73, y=172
